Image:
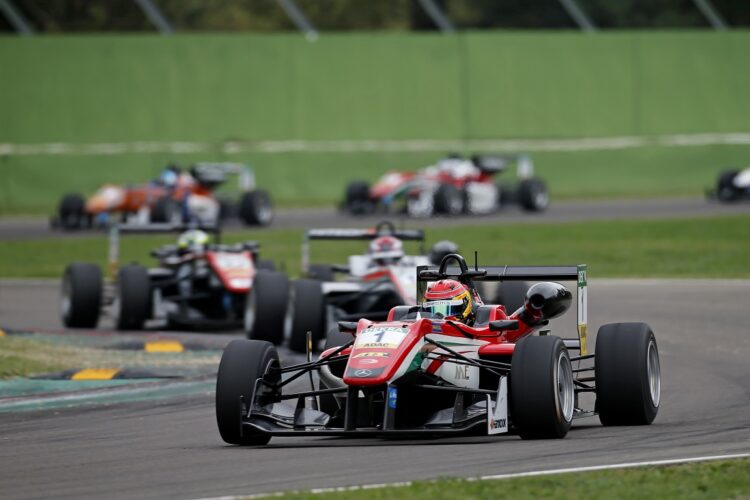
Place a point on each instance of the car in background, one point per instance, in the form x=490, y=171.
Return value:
x=177, y=196
x=731, y=186
x=454, y=185
x=423, y=373
x=195, y=284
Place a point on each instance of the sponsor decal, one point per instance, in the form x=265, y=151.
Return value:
x=392, y=397
x=462, y=372
x=368, y=361
x=437, y=328
x=363, y=373
x=497, y=417
x=387, y=336
x=378, y=344
x=376, y=354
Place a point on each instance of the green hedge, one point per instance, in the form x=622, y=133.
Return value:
x=213, y=87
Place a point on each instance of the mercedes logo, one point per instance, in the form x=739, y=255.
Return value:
x=362, y=373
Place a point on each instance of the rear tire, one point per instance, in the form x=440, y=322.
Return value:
x=308, y=314
x=265, y=307
x=448, y=200
x=133, y=300
x=242, y=363
x=542, y=396
x=255, y=208
x=628, y=374
x=81, y=296
x=533, y=195
x=71, y=212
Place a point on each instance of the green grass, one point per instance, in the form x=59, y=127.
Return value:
x=699, y=248
x=707, y=480
x=34, y=184
x=24, y=357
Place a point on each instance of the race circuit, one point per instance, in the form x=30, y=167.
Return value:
x=169, y=447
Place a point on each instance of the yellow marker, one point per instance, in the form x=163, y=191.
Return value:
x=95, y=374
x=164, y=346
x=2, y=333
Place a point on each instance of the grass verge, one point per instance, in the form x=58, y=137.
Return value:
x=24, y=357
x=35, y=184
x=706, y=480
x=713, y=247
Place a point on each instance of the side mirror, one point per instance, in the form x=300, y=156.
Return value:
x=503, y=325
x=348, y=326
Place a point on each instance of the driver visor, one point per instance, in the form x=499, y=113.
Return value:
x=445, y=308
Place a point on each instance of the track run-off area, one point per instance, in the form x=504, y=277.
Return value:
x=166, y=444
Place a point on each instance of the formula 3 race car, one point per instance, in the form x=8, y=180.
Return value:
x=196, y=284
x=731, y=186
x=176, y=197
x=453, y=186
x=422, y=373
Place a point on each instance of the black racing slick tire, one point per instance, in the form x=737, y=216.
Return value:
x=71, y=213
x=242, y=363
x=511, y=294
x=449, y=200
x=725, y=188
x=357, y=198
x=132, y=303
x=265, y=307
x=628, y=374
x=166, y=210
x=542, y=395
x=533, y=195
x=81, y=295
x=256, y=208
x=308, y=314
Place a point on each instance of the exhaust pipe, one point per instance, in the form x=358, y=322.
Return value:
x=544, y=301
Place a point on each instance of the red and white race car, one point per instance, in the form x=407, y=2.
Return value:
x=453, y=186
x=422, y=372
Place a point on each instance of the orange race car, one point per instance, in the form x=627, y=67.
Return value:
x=176, y=196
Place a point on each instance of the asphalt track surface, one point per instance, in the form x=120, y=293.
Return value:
x=170, y=448
x=564, y=211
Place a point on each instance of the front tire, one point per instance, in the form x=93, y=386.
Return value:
x=628, y=374
x=542, y=396
x=242, y=363
x=265, y=307
x=448, y=200
x=255, y=208
x=533, y=195
x=133, y=300
x=81, y=297
x=357, y=198
x=166, y=210
x=308, y=314
x=725, y=188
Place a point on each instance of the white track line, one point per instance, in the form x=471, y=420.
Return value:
x=390, y=146
x=550, y=472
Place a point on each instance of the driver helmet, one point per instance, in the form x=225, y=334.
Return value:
x=193, y=241
x=450, y=299
x=440, y=250
x=386, y=250
x=170, y=176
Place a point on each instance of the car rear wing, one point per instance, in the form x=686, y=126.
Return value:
x=113, y=252
x=577, y=273
x=355, y=234
x=499, y=163
x=214, y=173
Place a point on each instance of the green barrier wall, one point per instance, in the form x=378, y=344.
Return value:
x=214, y=87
